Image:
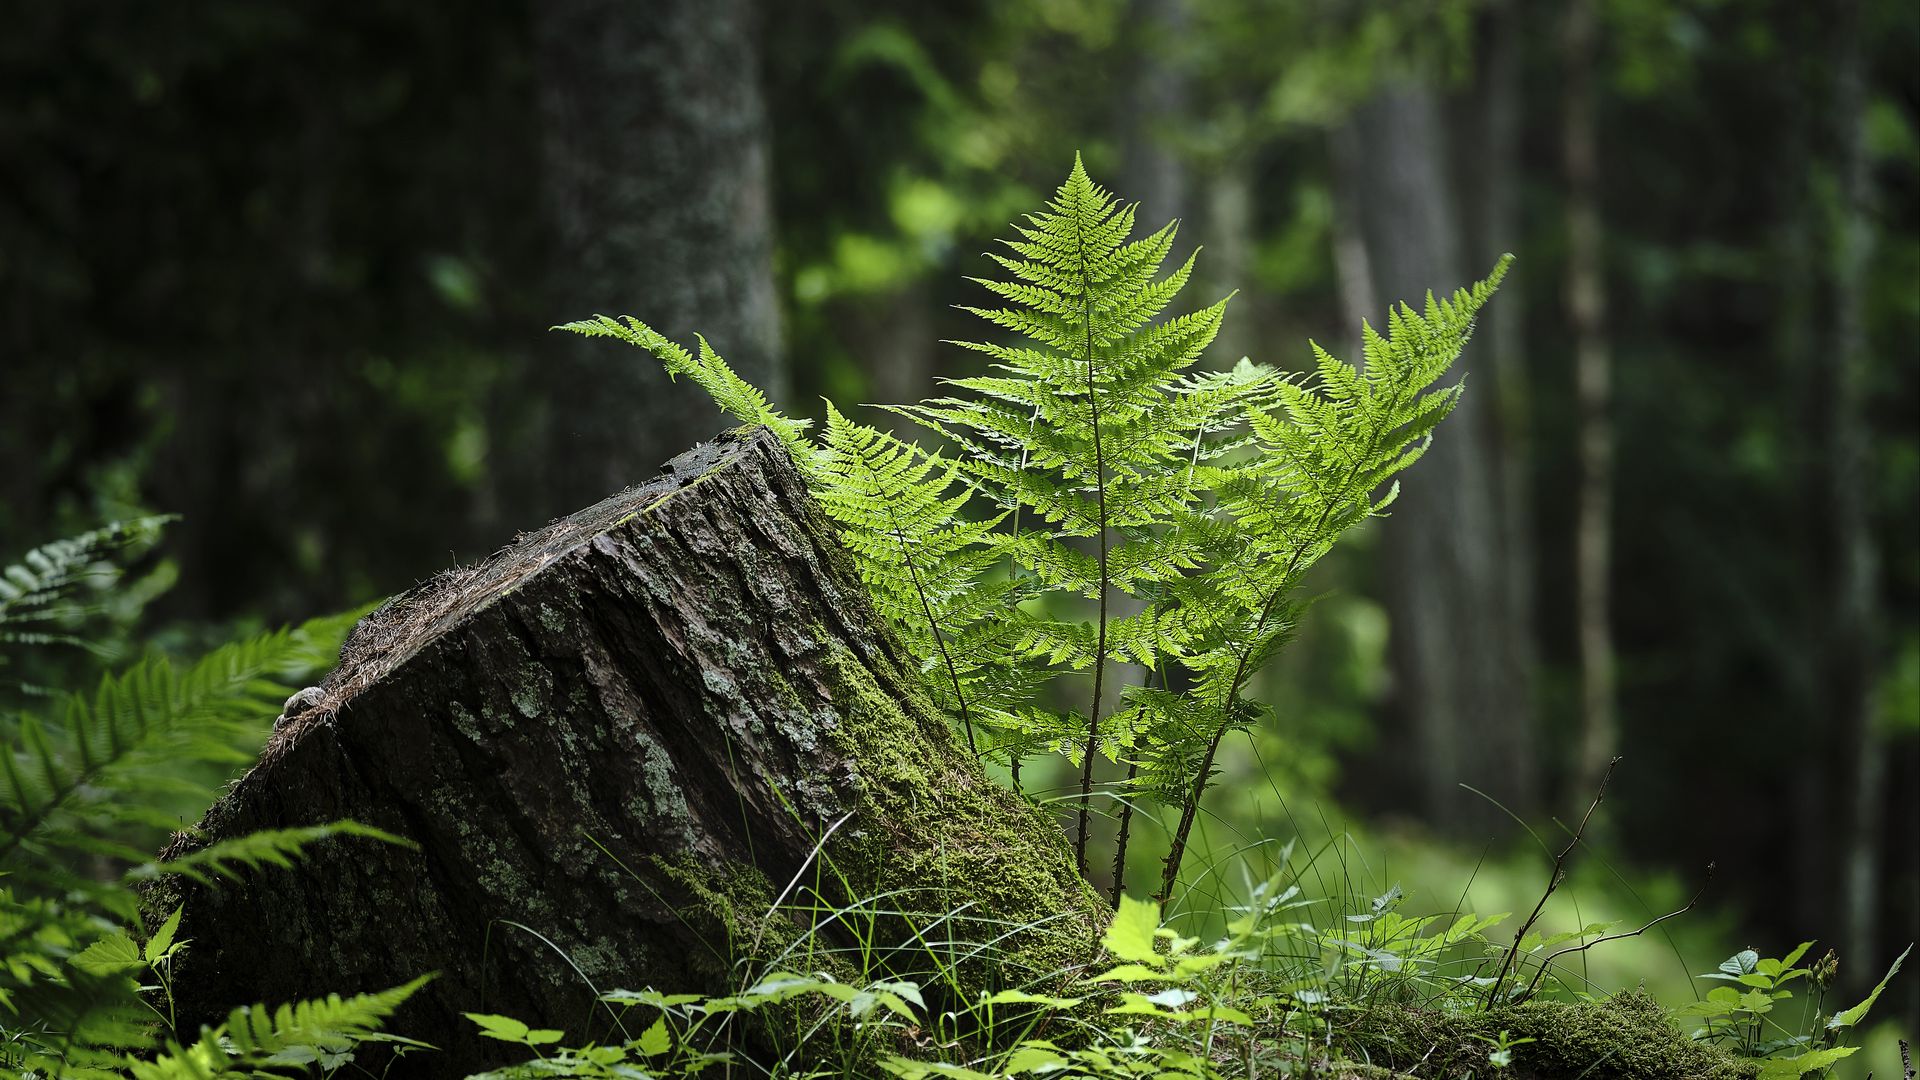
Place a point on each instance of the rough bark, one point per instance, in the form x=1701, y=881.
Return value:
x=1454, y=636
x=624, y=734
x=657, y=186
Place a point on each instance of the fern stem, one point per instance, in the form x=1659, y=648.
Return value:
x=939, y=639
x=1190, y=806
x=1120, y=844
x=1013, y=570
x=1100, y=501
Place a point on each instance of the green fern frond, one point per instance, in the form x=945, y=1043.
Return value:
x=900, y=512
x=259, y=1037
x=66, y=777
x=734, y=395
x=267, y=847
x=49, y=572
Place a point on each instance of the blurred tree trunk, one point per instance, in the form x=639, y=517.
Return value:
x=1851, y=645
x=1351, y=269
x=1229, y=233
x=657, y=189
x=1486, y=168
x=895, y=335
x=1154, y=103
x=1455, y=638
x=1593, y=378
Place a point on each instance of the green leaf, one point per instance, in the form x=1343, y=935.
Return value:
x=1805, y=1063
x=1021, y=997
x=162, y=939
x=504, y=1028
x=110, y=955
x=1853, y=1016
x=1131, y=933
x=656, y=1040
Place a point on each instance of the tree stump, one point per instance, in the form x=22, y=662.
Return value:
x=614, y=743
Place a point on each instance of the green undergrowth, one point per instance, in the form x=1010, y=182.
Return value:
x=1293, y=984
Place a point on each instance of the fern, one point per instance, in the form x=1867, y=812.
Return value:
x=734, y=395
x=260, y=1041
x=252, y=851
x=89, y=786
x=40, y=601
x=1092, y=427
x=924, y=563
x=1320, y=458
x=1097, y=464
x=70, y=782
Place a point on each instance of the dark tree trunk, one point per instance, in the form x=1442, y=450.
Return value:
x=896, y=339
x=1454, y=635
x=625, y=734
x=1851, y=628
x=657, y=182
x=1586, y=298
x=1487, y=170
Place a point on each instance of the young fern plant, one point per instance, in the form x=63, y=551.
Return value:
x=1090, y=429
x=1183, y=507
x=91, y=783
x=1318, y=466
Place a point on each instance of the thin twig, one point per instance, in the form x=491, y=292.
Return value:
x=1553, y=884
x=1547, y=962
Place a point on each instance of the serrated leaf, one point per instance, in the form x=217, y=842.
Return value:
x=111, y=955
x=162, y=939
x=1130, y=935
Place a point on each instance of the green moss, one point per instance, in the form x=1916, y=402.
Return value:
x=1627, y=1037
x=731, y=909
x=971, y=860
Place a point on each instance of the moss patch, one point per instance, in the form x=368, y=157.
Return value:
x=729, y=908
x=1627, y=1037
x=968, y=860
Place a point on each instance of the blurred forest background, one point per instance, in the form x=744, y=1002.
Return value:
x=286, y=268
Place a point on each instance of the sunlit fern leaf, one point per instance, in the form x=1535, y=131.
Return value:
x=1092, y=426
x=67, y=776
x=283, y=1040
x=734, y=395
x=899, y=510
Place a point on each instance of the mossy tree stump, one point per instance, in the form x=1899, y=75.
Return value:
x=624, y=734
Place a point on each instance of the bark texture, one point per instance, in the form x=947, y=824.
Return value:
x=615, y=743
